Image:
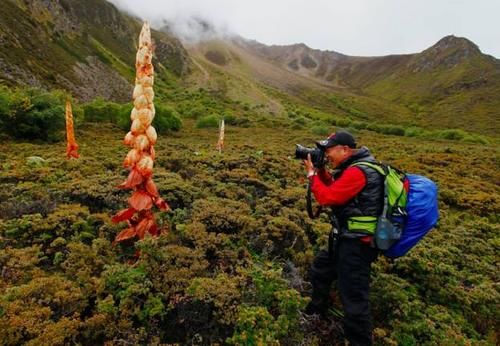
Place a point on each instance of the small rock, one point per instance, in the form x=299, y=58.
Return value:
x=36, y=161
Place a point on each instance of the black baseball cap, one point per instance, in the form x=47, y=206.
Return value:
x=338, y=138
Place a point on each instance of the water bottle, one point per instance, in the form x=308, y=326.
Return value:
x=384, y=235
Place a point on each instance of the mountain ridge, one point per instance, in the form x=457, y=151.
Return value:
x=438, y=87
x=88, y=48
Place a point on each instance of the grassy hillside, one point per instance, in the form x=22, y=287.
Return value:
x=231, y=265
x=243, y=75
x=445, y=89
x=449, y=85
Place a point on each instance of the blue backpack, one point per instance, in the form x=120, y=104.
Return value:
x=421, y=214
x=406, y=217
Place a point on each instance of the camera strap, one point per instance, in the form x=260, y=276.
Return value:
x=333, y=237
x=309, y=208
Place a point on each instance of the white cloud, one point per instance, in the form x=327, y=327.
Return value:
x=355, y=27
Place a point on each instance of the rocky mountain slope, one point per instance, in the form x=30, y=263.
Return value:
x=85, y=47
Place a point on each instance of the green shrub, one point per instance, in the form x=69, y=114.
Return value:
x=195, y=111
x=166, y=119
x=255, y=326
x=300, y=120
x=476, y=139
x=237, y=121
x=395, y=130
x=223, y=292
x=413, y=132
x=209, y=121
x=374, y=127
x=320, y=130
x=386, y=129
x=453, y=134
x=4, y=103
x=343, y=122
x=230, y=119
x=123, y=119
x=100, y=110
x=359, y=125
x=276, y=314
x=298, y=123
x=32, y=113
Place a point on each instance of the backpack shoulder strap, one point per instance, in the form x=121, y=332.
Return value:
x=384, y=173
x=374, y=166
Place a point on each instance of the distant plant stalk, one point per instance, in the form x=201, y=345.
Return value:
x=220, y=143
x=71, y=146
x=141, y=139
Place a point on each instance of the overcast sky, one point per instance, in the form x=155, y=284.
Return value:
x=353, y=27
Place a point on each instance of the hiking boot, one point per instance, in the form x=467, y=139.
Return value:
x=313, y=309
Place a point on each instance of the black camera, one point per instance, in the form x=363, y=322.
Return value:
x=317, y=155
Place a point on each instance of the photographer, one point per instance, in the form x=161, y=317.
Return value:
x=355, y=195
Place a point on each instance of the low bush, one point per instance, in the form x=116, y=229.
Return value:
x=393, y=130
x=476, y=139
x=343, y=122
x=166, y=118
x=209, y=121
x=100, y=110
x=413, y=132
x=239, y=121
x=321, y=130
x=453, y=134
x=358, y=125
x=194, y=111
x=32, y=113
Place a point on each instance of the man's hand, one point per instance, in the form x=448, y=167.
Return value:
x=310, y=170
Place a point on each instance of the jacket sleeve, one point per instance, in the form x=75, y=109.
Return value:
x=326, y=178
x=339, y=191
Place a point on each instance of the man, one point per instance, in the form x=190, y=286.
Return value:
x=356, y=196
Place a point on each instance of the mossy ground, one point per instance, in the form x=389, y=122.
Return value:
x=233, y=264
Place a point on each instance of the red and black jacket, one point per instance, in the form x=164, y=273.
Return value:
x=352, y=191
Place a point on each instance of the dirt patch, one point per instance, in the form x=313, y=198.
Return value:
x=216, y=57
x=293, y=64
x=308, y=62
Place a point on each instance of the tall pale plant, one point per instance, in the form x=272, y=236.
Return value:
x=139, y=160
x=220, y=142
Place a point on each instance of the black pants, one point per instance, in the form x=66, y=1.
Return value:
x=350, y=265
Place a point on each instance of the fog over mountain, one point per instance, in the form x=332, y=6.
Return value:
x=193, y=29
x=189, y=21
x=359, y=27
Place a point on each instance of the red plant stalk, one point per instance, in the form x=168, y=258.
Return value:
x=71, y=147
x=139, y=160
